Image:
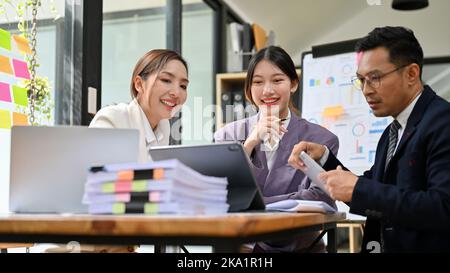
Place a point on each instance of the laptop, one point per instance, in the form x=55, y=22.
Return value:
x=222, y=160
x=49, y=165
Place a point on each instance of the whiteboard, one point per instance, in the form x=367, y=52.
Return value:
x=329, y=99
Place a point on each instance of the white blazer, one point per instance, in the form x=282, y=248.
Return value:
x=131, y=116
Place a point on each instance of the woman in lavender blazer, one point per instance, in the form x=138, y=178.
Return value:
x=270, y=136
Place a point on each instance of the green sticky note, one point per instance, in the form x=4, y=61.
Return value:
x=5, y=39
x=118, y=208
x=20, y=95
x=151, y=208
x=5, y=119
x=108, y=187
x=139, y=186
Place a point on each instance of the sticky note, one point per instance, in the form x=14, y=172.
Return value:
x=158, y=174
x=5, y=39
x=118, y=208
x=333, y=112
x=154, y=196
x=359, y=57
x=22, y=44
x=21, y=69
x=20, y=95
x=150, y=208
x=139, y=186
x=20, y=119
x=5, y=94
x=123, y=197
x=108, y=187
x=5, y=65
x=5, y=119
x=125, y=175
x=122, y=187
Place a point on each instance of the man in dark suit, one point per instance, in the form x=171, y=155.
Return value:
x=406, y=193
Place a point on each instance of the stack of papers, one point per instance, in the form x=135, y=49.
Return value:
x=292, y=205
x=162, y=187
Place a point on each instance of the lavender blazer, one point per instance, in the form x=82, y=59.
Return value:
x=283, y=181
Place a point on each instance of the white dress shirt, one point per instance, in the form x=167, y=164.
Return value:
x=403, y=117
x=271, y=147
x=131, y=116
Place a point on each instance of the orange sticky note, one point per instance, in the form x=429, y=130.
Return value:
x=125, y=175
x=158, y=174
x=333, y=112
x=5, y=65
x=20, y=119
x=22, y=44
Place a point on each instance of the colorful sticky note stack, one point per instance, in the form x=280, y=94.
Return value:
x=164, y=187
x=13, y=69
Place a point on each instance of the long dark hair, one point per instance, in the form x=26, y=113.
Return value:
x=278, y=57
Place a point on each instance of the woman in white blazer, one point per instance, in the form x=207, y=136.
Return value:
x=158, y=88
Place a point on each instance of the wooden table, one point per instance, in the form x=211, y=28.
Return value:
x=224, y=232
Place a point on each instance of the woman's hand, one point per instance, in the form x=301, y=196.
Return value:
x=266, y=127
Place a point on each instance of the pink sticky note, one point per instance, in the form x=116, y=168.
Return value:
x=123, y=197
x=123, y=187
x=358, y=57
x=154, y=196
x=21, y=69
x=5, y=94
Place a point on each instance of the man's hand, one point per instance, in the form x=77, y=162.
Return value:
x=339, y=183
x=314, y=150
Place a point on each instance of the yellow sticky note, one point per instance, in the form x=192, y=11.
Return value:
x=151, y=208
x=5, y=119
x=139, y=186
x=22, y=44
x=333, y=112
x=5, y=39
x=20, y=119
x=20, y=95
x=118, y=208
x=5, y=65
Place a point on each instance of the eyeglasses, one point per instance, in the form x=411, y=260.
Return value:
x=373, y=80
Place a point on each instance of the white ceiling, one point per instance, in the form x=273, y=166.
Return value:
x=296, y=22
x=300, y=24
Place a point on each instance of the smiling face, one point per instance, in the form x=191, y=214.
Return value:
x=162, y=94
x=396, y=90
x=271, y=88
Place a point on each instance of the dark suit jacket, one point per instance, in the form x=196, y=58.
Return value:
x=410, y=202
